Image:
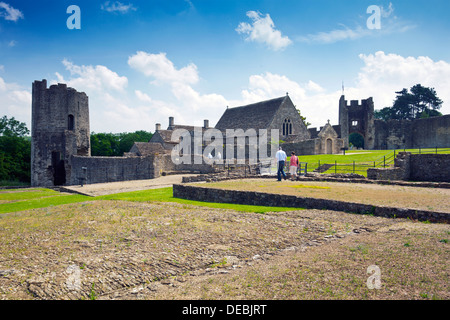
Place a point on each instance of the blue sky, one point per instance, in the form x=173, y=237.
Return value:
x=143, y=61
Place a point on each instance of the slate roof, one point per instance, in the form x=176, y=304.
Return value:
x=147, y=148
x=257, y=115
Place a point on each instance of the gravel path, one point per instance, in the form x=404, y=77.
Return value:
x=100, y=189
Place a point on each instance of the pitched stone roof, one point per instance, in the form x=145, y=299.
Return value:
x=146, y=148
x=257, y=115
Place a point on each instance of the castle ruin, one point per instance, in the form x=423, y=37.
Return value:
x=60, y=149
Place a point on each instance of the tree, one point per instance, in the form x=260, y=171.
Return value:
x=303, y=118
x=356, y=140
x=12, y=127
x=115, y=144
x=15, y=151
x=418, y=102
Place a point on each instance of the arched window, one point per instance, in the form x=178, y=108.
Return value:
x=71, y=123
x=287, y=127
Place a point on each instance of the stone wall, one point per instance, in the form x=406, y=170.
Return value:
x=278, y=200
x=415, y=167
x=430, y=167
x=112, y=169
x=419, y=133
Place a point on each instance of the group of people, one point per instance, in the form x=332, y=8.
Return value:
x=281, y=160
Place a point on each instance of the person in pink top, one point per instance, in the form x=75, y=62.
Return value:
x=293, y=164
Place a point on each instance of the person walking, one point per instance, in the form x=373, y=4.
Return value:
x=281, y=158
x=293, y=165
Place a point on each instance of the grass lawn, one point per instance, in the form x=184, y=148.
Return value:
x=358, y=161
x=27, y=199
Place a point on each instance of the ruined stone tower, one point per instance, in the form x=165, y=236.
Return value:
x=59, y=130
x=357, y=118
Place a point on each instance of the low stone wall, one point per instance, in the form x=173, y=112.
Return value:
x=430, y=167
x=111, y=169
x=277, y=200
x=415, y=167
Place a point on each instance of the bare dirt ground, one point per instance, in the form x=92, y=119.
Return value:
x=134, y=250
x=421, y=198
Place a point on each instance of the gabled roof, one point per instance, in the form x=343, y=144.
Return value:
x=257, y=115
x=147, y=148
x=327, y=131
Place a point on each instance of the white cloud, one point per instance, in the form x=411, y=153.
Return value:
x=117, y=6
x=10, y=13
x=93, y=79
x=380, y=77
x=15, y=102
x=337, y=35
x=162, y=69
x=115, y=110
x=389, y=24
x=263, y=30
x=383, y=74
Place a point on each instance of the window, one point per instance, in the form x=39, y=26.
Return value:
x=71, y=123
x=287, y=127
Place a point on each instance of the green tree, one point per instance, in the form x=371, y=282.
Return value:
x=356, y=140
x=306, y=123
x=12, y=127
x=115, y=144
x=418, y=102
x=15, y=151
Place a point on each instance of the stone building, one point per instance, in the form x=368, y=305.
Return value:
x=60, y=149
x=392, y=134
x=59, y=130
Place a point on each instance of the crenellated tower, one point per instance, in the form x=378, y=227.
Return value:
x=59, y=130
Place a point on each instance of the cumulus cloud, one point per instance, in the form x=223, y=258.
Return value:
x=380, y=77
x=10, y=13
x=162, y=69
x=90, y=78
x=117, y=6
x=262, y=29
x=15, y=102
x=383, y=74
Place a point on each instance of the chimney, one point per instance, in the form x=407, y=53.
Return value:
x=157, y=127
x=171, y=123
x=205, y=123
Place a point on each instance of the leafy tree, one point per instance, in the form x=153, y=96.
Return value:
x=15, y=151
x=356, y=140
x=306, y=123
x=115, y=144
x=418, y=102
x=12, y=127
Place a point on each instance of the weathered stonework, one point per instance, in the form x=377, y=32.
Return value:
x=59, y=130
x=415, y=167
x=279, y=200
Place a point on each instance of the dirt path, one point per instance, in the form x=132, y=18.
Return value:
x=100, y=189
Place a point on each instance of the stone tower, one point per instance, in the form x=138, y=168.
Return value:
x=357, y=118
x=59, y=130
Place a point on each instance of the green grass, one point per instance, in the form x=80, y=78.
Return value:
x=12, y=200
x=363, y=159
x=166, y=195
x=27, y=200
